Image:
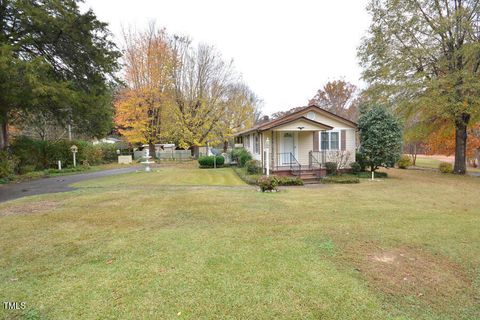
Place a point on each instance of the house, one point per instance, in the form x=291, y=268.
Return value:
x=301, y=142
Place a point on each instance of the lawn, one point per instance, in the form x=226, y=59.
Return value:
x=429, y=162
x=198, y=243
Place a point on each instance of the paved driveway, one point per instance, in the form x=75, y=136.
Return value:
x=52, y=185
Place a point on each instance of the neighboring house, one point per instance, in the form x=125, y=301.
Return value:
x=301, y=142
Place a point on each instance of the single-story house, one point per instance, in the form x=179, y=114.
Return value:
x=300, y=143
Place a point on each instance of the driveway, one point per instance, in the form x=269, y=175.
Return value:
x=52, y=185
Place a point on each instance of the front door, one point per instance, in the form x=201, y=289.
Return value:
x=288, y=148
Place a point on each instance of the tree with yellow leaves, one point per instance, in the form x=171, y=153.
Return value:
x=143, y=105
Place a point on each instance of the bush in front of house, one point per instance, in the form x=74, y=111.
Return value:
x=248, y=178
x=404, y=162
x=445, y=167
x=211, y=161
x=332, y=168
x=342, y=179
x=356, y=167
x=241, y=155
x=289, y=181
x=253, y=167
x=269, y=183
x=360, y=159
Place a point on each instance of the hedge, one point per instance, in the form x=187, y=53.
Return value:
x=342, y=179
x=211, y=161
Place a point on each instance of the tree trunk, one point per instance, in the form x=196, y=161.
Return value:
x=3, y=131
x=196, y=152
x=461, y=144
x=225, y=146
x=151, y=150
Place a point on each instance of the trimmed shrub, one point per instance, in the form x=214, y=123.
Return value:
x=8, y=163
x=356, y=167
x=445, y=167
x=267, y=183
x=210, y=161
x=289, y=181
x=241, y=155
x=342, y=179
x=404, y=162
x=331, y=167
x=253, y=167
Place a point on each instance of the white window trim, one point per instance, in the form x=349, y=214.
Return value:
x=329, y=140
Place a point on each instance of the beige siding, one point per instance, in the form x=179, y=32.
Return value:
x=305, y=145
x=293, y=126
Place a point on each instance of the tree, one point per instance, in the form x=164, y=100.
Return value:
x=54, y=57
x=380, y=138
x=339, y=97
x=425, y=57
x=143, y=105
x=210, y=100
x=442, y=141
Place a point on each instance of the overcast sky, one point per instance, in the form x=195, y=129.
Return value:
x=285, y=50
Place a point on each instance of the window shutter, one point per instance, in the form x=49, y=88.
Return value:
x=343, y=139
x=316, y=141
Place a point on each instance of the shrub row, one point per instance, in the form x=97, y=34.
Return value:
x=248, y=178
x=289, y=181
x=211, y=161
x=27, y=155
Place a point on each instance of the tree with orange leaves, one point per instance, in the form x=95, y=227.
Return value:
x=144, y=103
x=442, y=141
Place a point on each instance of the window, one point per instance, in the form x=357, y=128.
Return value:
x=324, y=141
x=329, y=140
x=257, y=144
x=247, y=142
x=334, y=140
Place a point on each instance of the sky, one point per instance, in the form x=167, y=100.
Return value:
x=285, y=50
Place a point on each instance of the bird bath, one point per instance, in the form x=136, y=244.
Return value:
x=147, y=161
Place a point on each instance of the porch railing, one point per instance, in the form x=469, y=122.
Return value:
x=317, y=159
x=288, y=160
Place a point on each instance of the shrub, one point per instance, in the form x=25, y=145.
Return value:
x=248, y=178
x=289, y=181
x=8, y=163
x=445, y=167
x=356, y=167
x=404, y=162
x=26, y=169
x=360, y=159
x=343, y=179
x=267, y=183
x=241, y=155
x=109, y=152
x=253, y=167
x=331, y=167
x=210, y=161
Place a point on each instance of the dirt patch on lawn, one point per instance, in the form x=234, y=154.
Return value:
x=29, y=208
x=414, y=272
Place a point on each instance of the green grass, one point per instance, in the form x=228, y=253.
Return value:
x=192, y=243
x=427, y=162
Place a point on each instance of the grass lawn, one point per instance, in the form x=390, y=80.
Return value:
x=428, y=162
x=199, y=243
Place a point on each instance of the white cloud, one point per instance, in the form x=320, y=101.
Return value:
x=286, y=50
